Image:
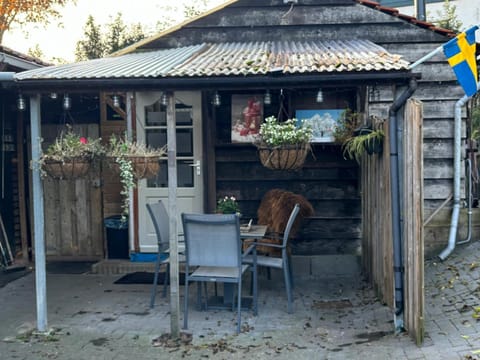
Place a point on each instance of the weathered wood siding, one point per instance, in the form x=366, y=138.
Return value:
x=327, y=180
x=377, y=243
x=73, y=211
x=261, y=20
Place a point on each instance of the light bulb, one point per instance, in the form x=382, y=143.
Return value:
x=67, y=102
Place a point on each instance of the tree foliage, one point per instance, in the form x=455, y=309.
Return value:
x=27, y=11
x=447, y=18
x=98, y=43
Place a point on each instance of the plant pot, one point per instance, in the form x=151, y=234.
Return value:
x=287, y=157
x=373, y=146
x=144, y=167
x=67, y=169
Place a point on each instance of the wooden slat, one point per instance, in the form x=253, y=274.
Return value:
x=413, y=228
x=73, y=211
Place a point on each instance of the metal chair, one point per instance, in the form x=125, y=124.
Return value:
x=213, y=246
x=279, y=262
x=161, y=222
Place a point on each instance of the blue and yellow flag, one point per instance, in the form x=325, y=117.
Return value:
x=460, y=53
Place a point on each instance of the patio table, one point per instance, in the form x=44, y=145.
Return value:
x=223, y=302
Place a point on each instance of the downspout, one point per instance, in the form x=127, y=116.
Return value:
x=456, y=177
x=394, y=131
x=420, y=9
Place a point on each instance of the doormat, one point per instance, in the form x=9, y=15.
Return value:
x=143, y=277
x=69, y=267
x=9, y=276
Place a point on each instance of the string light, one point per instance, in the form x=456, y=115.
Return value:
x=164, y=99
x=319, y=96
x=267, y=99
x=116, y=101
x=21, y=105
x=217, y=100
x=67, y=102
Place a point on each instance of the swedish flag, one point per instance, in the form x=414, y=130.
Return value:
x=460, y=53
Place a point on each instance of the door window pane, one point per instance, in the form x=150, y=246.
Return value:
x=185, y=175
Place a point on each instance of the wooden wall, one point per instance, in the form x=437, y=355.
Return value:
x=327, y=180
x=262, y=20
x=73, y=209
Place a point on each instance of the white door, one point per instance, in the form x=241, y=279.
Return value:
x=152, y=128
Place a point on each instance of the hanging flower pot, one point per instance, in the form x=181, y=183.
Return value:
x=285, y=157
x=66, y=169
x=284, y=145
x=143, y=166
x=70, y=156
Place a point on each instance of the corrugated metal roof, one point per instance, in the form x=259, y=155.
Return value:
x=290, y=58
x=231, y=59
x=137, y=65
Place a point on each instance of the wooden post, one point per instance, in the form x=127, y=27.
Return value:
x=413, y=221
x=172, y=210
x=38, y=217
x=21, y=188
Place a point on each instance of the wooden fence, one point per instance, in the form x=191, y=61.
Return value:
x=377, y=221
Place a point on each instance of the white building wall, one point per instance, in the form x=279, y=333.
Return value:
x=468, y=11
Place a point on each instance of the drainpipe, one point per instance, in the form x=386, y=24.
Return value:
x=6, y=76
x=469, y=204
x=420, y=10
x=394, y=131
x=456, y=177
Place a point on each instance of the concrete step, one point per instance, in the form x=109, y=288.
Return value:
x=303, y=266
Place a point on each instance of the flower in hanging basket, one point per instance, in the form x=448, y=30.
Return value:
x=133, y=161
x=70, y=155
x=227, y=205
x=284, y=145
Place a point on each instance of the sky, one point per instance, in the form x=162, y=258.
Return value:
x=60, y=37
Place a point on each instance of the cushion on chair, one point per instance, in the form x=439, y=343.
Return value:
x=210, y=271
x=268, y=261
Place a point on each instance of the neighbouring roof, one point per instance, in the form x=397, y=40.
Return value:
x=19, y=60
x=230, y=59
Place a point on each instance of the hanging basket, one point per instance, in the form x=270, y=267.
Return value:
x=66, y=169
x=286, y=157
x=144, y=167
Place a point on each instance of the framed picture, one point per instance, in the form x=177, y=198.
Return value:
x=247, y=115
x=323, y=122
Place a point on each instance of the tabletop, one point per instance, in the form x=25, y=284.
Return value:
x=255, y=232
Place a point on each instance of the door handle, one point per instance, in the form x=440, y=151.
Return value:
x=197, y=165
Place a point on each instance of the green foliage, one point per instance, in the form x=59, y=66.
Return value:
x=447, y=18
x=121, y=149
x=97, y=43
x=275, y=133
x=355, y=146
x=346, y=125
x=70, y=145
x=228, y=205
x=92, y=46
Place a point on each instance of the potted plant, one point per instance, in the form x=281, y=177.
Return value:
x=346, y=126
x=133, y=161
x=227, y=205
x=283, y=145
x=368, y=140
x=70, y=155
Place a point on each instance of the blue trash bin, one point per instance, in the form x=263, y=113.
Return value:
x=116, y=232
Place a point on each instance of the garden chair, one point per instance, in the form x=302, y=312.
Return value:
x=161, y=223
x=282, y=262
x=213, y=247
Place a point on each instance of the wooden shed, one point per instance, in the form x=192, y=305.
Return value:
x=355, y=51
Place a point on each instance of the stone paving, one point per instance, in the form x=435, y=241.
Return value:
x=92, y=318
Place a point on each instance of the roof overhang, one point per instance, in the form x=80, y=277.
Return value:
x=216, y=83
x=228, y=65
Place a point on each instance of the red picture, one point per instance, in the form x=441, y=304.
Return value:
x=247, y=115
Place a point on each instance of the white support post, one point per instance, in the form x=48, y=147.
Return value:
x=131, y=218
x=172, y=210
x=38, y=215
